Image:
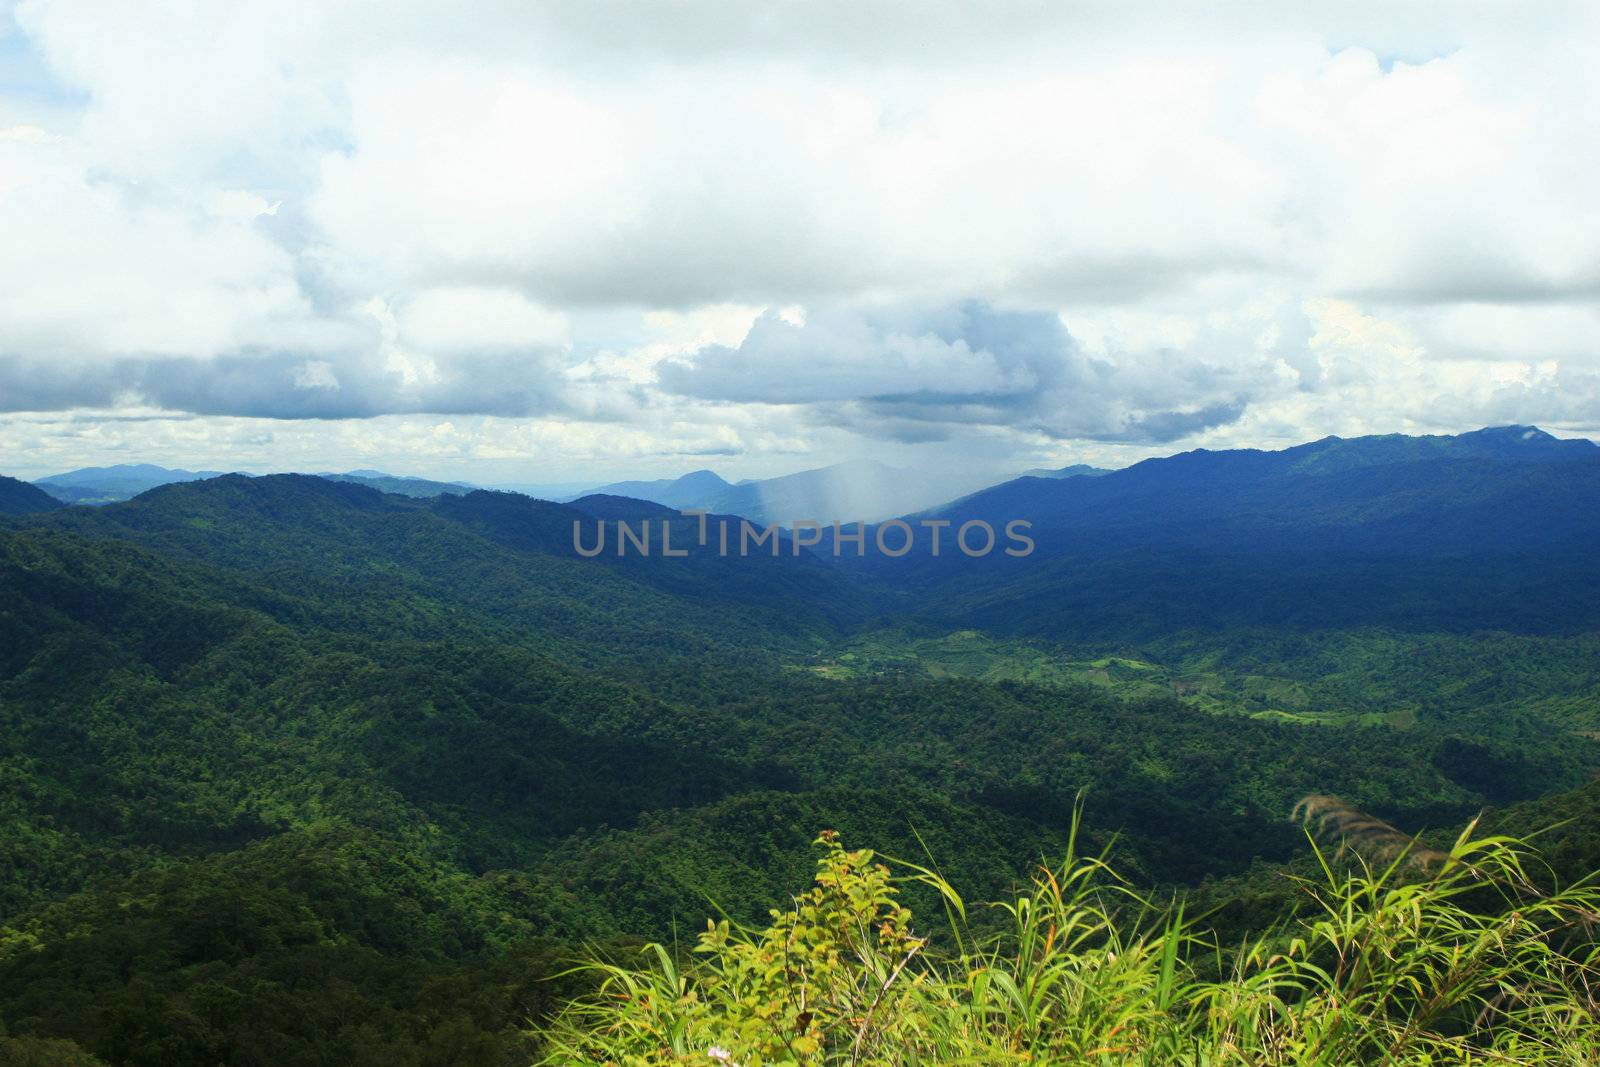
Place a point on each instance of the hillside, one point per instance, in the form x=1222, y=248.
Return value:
x=400, y=485
x=20, y=498
x=482, y=562
x=190, y=639
x=1493, y=492
x=1486, y=531
x=295, y=764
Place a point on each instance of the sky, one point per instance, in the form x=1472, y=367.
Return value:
x=558, y=241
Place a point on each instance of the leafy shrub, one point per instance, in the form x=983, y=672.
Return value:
x=1455, y=961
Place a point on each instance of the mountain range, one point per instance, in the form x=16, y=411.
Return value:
x=858, y=490
x=1504, y=489
x=301, y=771
x=1494, y=528
x=109, y=485
x=847, y=491
x=1490, y=529
x=103, y=485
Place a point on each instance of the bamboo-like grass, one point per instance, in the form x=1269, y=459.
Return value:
x=1457, y=959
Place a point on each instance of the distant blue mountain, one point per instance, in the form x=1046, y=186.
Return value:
x=110, y=485
x=107, y=485
x=400, y=485
x=1076, y=470
x=694, y=490
x=857, y=490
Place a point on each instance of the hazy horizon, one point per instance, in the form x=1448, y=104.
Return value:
x=936, y=481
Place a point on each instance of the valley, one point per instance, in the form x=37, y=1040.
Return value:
x=295, y=763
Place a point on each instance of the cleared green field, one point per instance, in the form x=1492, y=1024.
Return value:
x=1484, y=681
x=975, y=655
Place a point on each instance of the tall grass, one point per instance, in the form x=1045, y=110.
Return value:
x=1456, y=960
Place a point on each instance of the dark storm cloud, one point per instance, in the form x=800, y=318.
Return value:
x=917, y=372
x=1159, y=427
x=50, y=385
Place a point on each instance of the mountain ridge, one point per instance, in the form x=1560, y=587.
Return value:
x=866, y=489
x=20, y=498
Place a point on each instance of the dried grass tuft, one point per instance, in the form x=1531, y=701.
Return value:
x=1333, y=821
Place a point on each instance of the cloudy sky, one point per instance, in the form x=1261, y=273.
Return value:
x=553, y=241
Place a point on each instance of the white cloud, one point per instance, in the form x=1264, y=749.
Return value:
x=464, y=319
x=571, y=213
x=98, y=268
x=844, y=355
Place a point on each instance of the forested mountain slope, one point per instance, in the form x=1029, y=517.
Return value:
x=364, y=560
x=1494, y=530
x=295, y=765
x=1491, y=493
x=20, y=498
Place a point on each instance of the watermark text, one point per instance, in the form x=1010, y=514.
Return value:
x=731, y=536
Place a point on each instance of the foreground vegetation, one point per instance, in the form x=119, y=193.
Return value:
x=1406, y=956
